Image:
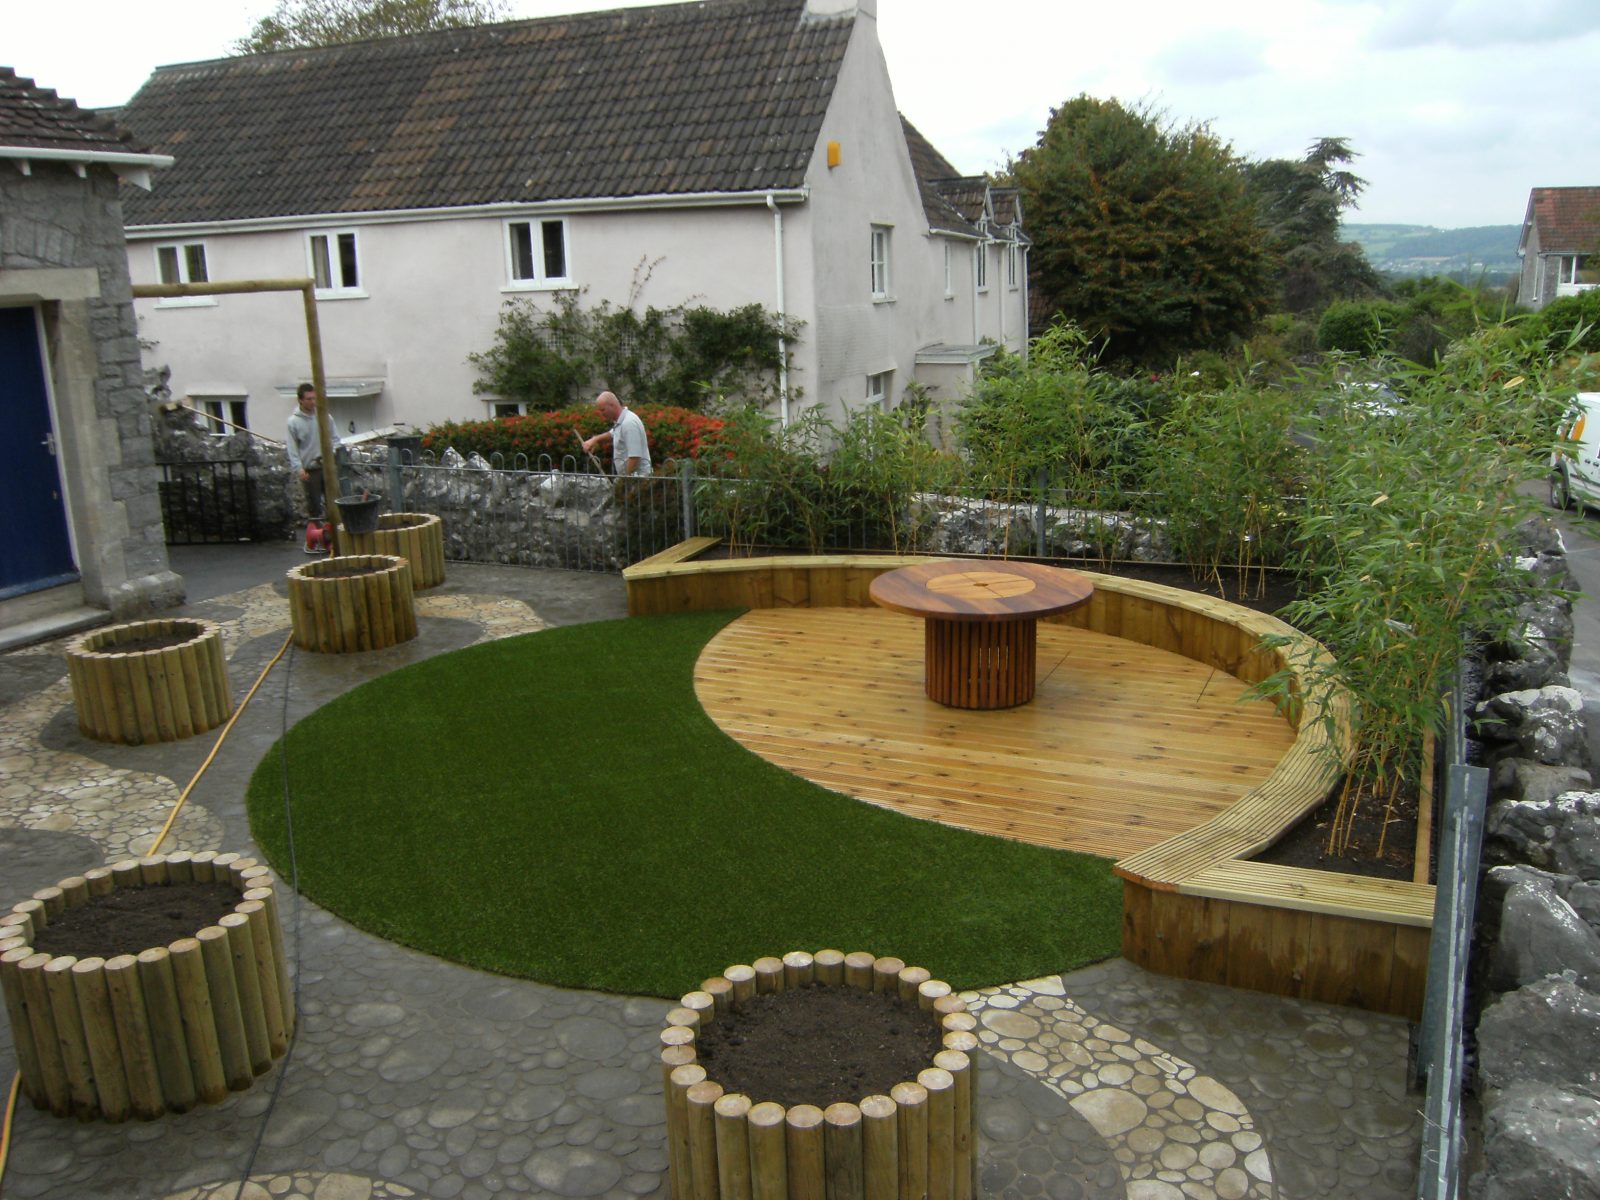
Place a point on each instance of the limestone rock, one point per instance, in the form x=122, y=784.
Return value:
x=1560, y=835
x=1540, y=1143
x=1534, y=932
x=1546, y=1033
x=1523, y=779
x=1545, y=724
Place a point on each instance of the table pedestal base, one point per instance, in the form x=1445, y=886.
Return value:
x=980, y=664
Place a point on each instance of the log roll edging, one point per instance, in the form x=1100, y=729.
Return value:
x=164, y=694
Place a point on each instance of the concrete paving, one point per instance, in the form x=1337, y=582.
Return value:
x=412, y=1076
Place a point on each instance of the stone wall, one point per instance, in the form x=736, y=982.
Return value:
x=1536, y=966
x=62, y=251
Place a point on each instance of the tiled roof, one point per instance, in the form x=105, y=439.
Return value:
x=1568, y=218
x=35, y=118
x=929, y=165
x=969, y=194
x=715, y=96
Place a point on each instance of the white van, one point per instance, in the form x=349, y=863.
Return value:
x=1575, y=465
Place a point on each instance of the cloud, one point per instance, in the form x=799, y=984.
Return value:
x=1482, y=24
x=1213, y=57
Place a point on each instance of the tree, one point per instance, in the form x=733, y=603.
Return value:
x=296, y=24
x=1144, y=234
x=1299, y=203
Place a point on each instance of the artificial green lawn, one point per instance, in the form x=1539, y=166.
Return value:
x=559, y=806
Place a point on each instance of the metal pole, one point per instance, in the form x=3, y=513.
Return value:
x=686, y=496
x=1038, y=515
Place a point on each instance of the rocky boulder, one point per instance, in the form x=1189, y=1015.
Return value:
x=1540, y=1143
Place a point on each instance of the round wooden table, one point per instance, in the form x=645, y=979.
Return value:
x=982, y=624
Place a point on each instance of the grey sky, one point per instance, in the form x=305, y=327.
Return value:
x=1457, y=107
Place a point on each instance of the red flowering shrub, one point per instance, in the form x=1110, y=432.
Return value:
x=674, y=433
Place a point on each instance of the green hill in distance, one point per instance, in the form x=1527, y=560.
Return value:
x=1424, y=250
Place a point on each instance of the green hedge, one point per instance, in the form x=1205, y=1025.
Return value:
x=674, y=433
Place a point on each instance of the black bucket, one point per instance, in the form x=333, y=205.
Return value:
x=359, y=514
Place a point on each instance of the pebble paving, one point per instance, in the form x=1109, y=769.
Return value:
x=410, y=1076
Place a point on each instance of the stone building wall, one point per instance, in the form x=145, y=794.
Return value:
x=62, y=252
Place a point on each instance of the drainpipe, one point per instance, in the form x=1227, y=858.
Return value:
x=783, y=345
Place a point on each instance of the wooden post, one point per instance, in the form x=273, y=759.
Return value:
x=679, y=1080
x=829, y=966
x=75, y=890
x=720, y=989
x=958, y=1022
x=153, y=870
x=21, y=1028
x=769, y=1156
x=880, y=1148
x=100, y=1033
x=858, y=969
x=167, y=1038
x=959, y=1066
x=743, y=978
x=769, y=975
x=941, y=1090
x=929, y=991
x=53, y=899
x=31, y=911
x=126, y=874
x=36, y=999
x=673, y=1057
x=231, y=1038
x=803, y=1144
x=842, y=1147
x=912, y=1111
x=199, y=1022
x=677, y=1035
x=701, y=1099
x=132, y=1020
x=180, y=867
x=69, y=1036
x=909, y=981
x=201, y=864
x=799, y=969
x=251, y=1007
x=702, y=1004
x=100, y=881
x=733, y=1146
x=886, y=974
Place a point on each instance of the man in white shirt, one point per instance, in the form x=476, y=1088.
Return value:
x=630, y=448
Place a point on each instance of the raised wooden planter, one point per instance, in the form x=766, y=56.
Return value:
x=156, y=1032
x=335, y=611
x=1194, y=906
x=133, y=696
x=918, y=1141
x=416, y=537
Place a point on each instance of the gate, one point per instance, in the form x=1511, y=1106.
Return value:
x=208, y=502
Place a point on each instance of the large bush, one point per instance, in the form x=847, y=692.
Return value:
x=674, y=433
x=1356, y=326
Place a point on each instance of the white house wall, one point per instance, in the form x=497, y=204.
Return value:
x=434, y=292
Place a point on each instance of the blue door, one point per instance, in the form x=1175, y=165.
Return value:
x=34, y=549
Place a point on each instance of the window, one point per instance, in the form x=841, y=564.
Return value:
x=981, y=267
x=1575, y=268
x=878, y=389
x=1012, y=255
x=507, y=408
x=219, y=411
x=949, y=275
x=183, y=262
x=538, y=251
x=335, y=265
x=880, y=262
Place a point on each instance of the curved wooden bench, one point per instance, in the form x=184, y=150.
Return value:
x=1193, y=905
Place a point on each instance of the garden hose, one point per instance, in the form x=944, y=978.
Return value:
x=183, y=796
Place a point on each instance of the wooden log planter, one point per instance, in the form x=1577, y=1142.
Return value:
x=917, y=1141
x=150, y=681
x=416, y=537
x=352, y=603
x=159, y=1031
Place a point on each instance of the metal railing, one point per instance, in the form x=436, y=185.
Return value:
x=1439, y=1048
x=208, y=502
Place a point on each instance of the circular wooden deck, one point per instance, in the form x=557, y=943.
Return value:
x=1122, y=747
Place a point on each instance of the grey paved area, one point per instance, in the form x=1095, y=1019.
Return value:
x=411, y=1076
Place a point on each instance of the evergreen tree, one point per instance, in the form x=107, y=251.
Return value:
x=1144, y=234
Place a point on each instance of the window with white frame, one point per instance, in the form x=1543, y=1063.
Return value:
x=880, y=262
x=1577, y=268
x=507, y=408
x=335, y=264
x=1013, y=254
x=981, y=267
x=224, y=415
x=949, y=272
x=183, y=262
x=878, y=389
x=537, y=252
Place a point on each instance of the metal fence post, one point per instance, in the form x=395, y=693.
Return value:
x=686, y=496
x=1039, y=514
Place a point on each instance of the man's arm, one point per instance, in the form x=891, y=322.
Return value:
x=631, y=466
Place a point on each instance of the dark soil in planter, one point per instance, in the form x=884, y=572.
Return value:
x=818, y=1045
x=1306, y=845
x=159, y=641
x=128, y=920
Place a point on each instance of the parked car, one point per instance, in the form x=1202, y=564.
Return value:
x=1575, y=463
